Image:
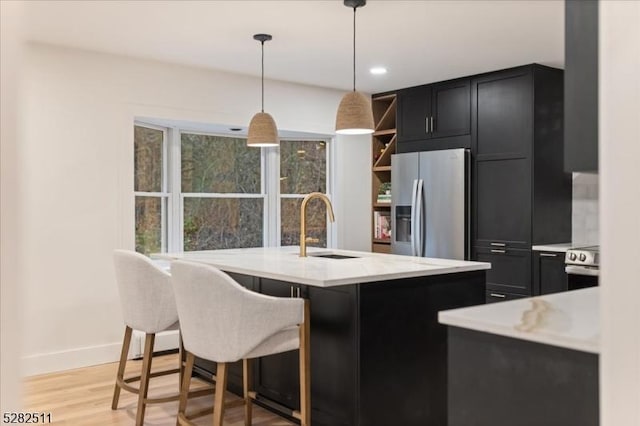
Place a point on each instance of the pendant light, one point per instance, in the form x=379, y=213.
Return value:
x=262, y=129
x=355, y=116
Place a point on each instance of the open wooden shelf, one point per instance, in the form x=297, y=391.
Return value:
x=383, y=146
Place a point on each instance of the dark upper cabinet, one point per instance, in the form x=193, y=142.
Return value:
x=549, y=275
x=581, y=86
x=450, y=109
x=414, y=110
x=434, y=116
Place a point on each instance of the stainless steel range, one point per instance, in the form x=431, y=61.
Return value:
x=582, y=265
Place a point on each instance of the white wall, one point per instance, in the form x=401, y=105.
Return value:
x=76, y=172
x=10, y=57
x=619, y=111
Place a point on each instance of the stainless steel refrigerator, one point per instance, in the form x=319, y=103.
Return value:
x=430, y=193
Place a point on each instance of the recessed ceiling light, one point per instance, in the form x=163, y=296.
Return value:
x=378, y=70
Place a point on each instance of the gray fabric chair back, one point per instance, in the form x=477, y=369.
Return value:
x=145, y=292
x=222, y=321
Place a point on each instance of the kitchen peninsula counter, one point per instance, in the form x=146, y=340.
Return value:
x=378, y=353
x=528, y=361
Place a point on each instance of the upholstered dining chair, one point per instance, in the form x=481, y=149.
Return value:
x=222, y=321
x=148, y=305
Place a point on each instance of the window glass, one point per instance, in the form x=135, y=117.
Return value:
x=220, y=223
x=215, y=164
x=303, y=167
x=148, y=147
x=149, y=224
x=290, y=224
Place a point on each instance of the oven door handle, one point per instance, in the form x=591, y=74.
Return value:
x=581, y=270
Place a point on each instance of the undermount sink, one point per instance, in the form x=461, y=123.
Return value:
x=333, y=256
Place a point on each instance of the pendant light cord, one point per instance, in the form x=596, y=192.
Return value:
x=262, y=78
x=354, y=49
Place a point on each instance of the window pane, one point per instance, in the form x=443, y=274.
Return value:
x=290, y=222
x=219, y=223
x=148, y=224
x=148, y=159
x=303, y=167
x=219, y=164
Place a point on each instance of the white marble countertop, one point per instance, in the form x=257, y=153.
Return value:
x=560, y=247
x=283, y=263
x=569, y=319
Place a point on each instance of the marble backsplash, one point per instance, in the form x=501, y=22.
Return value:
x=584, y=225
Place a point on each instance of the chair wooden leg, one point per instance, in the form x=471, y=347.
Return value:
x=126, y=342
x=305, y=369
x=182, y=358
x=221, y=387
x=246, y=386
x=186, y=383
x=144, y=380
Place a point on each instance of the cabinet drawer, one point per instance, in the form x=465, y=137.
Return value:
x=549, y=275
x=494, y=296
x=510, y=269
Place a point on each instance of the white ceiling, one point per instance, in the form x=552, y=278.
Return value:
x=418, y=41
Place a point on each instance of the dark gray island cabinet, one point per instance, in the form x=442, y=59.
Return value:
x=378, y=353
x=526, y=362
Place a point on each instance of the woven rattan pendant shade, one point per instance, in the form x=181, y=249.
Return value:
x=262, y=131
x=262, y=128
x=354, y=116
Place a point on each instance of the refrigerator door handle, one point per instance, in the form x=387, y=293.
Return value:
x=420, y=232
x=414, y=195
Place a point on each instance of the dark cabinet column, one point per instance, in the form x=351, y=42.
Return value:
x=581, y=86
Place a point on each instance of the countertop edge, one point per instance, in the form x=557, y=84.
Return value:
x=562, y=342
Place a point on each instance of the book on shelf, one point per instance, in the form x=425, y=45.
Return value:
x=384, y=193
x=381, y=225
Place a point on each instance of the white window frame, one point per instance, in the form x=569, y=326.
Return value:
x=173, y=208
x=165, y=195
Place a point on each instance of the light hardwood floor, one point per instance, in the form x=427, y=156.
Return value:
x=83, y=397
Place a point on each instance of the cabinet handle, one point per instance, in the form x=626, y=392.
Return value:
x=426, y=124
x=548, y=255
x=498, y=251
x=501, y=296
x=498, y=244
x=291, y=291
x=431, y=119
x=298, y=292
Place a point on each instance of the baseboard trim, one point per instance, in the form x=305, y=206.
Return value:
x=52, y=362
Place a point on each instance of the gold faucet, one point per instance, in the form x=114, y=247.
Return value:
x=303, y=221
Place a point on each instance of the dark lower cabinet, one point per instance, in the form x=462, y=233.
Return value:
x=378, y=353
x=549, y=275
x=510, y=271
x=494, y=296
x=501, y=381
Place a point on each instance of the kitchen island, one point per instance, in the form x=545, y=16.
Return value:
x=378, y=354
x=528, y=362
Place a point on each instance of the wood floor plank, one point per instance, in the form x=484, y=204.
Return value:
x=83, y=397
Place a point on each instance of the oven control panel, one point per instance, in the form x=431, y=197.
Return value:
x=584, y=257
